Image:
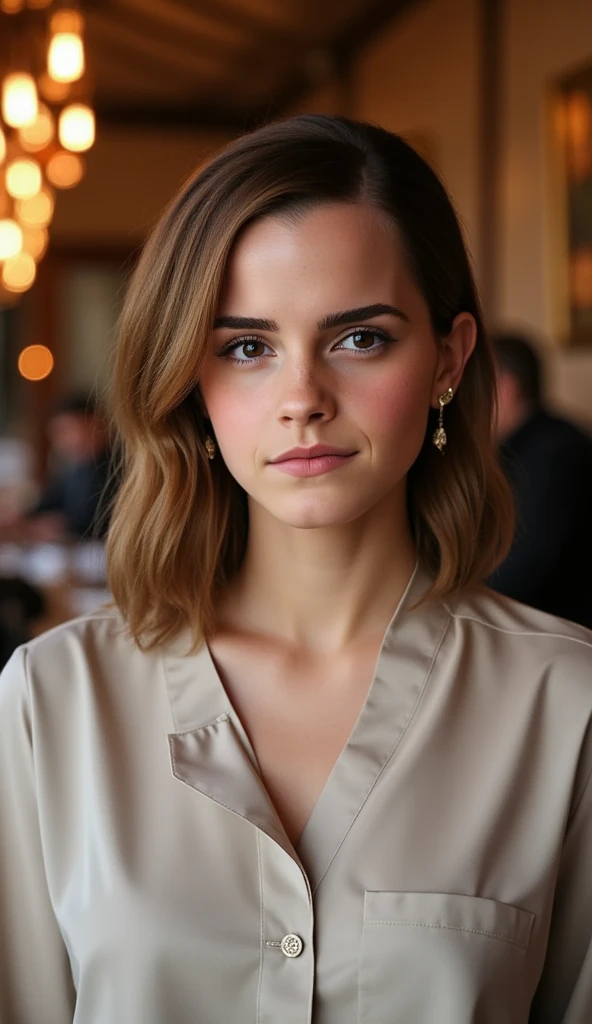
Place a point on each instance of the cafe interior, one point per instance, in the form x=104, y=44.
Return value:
x=109, y=105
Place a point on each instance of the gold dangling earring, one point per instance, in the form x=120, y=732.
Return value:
x=210, y=448
x=439, y=438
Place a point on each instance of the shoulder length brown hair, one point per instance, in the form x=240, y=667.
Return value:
x=179, y=526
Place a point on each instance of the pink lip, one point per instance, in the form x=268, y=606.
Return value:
x=313, y=461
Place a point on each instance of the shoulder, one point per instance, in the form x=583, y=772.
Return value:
x=563, y=437
x=493, y=611
x=91, y=649
x=525, y=643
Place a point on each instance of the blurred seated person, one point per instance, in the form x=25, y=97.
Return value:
x=21, y=604
x=75, y=501
x=549, y=465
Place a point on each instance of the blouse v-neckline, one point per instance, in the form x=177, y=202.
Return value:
x=211, y=752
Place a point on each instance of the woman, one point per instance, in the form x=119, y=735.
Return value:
x=308, y=769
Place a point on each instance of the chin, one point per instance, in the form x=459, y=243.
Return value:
x=316, y=514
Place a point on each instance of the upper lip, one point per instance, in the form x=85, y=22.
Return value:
x=313, y=452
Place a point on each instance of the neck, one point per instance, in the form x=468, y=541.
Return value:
x=326, y=587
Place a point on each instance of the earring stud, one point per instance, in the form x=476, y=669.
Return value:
x=439, y=437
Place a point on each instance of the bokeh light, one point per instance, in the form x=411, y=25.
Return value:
x=64, y=170
x=18, y=272
x=35, y=362
x=36, y=136
x=37, y=211
x=23, y=178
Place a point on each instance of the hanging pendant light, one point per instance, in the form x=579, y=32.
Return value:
x=40, y=141
x=76, y=127
x=23, y=179
x=11, y=238
x=19, y=99
x=65, y=59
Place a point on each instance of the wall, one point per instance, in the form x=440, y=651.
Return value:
x=420, y=78
x=544, y=39
x=131, y=175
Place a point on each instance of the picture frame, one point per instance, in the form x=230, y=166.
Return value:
x=571, y=207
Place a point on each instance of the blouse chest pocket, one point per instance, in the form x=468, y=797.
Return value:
x=441, y=958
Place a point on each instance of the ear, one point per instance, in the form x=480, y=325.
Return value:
x=455, y=351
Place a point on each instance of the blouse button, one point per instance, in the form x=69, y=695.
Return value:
x=291, y=945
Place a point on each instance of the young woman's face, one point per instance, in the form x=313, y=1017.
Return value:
x=322, y=341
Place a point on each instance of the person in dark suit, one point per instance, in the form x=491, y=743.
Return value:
x=76, y=499
x=548, y=461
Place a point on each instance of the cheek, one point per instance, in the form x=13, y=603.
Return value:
x=393, y=409
x=235, y=416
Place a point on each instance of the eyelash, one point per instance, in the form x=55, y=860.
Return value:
x=231, y=346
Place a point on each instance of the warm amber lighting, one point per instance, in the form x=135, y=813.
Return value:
x=55, y=92
x=11, y=239
x=67, y=21
x=19, y=100
x=37, y=135
x=18, y=273
x=23, y=179
x=35, y=241
x=6, y=203
x=2, y=147
x=37, y=211
x=12, y=6
x=64, y=170
x=38, y=5
x=65, y=59
x=35, y=362
x=77, y=127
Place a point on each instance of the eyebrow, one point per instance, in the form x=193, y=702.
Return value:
x=346, y=316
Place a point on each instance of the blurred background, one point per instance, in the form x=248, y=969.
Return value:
x=107, y=106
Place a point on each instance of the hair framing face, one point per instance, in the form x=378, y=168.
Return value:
x=180, y=523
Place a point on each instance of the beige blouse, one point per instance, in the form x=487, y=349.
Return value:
x=444, y=876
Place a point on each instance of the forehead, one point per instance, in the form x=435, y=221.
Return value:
x=324, y=258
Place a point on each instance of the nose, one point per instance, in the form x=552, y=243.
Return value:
x=304, y=396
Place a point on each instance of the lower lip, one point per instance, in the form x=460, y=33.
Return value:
x=313, y=467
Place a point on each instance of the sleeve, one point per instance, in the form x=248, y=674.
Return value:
x=35, y=978
x=564, y=994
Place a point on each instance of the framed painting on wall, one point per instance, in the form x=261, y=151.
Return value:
x=572, y=241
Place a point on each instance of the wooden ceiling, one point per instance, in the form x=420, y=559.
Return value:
x=220, y=63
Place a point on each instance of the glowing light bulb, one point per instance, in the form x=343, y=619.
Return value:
x=18, y=272
x=19, y=99
x=11, y=238
x=77, y=127
x=23, y=179
x=36, y=136
x=65, y=59
x=37, y=211
x=64, y=170
x=35, y=362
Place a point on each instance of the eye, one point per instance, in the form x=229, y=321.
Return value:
x=364, y=339
x=245, y=350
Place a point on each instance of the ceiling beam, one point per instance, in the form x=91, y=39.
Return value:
x=223, y=117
